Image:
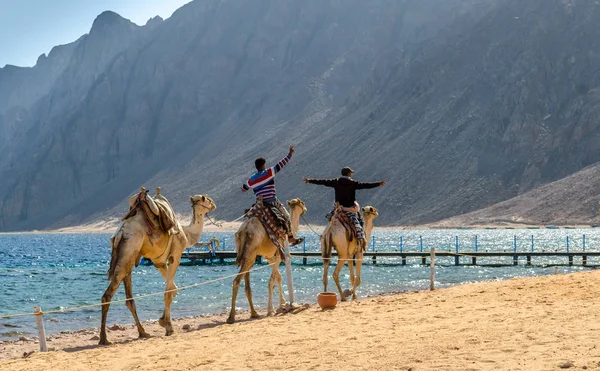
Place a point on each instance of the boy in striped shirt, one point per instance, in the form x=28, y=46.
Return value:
x=263, y=184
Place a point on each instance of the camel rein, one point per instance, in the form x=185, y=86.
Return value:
x=308, y=225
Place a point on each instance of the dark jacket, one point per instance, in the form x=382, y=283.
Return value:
x=345, y=188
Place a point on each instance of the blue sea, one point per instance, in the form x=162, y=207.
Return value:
x=58, y=271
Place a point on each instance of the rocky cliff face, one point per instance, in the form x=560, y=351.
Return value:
x=459, y=104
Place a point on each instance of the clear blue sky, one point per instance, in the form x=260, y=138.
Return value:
x=29, y=28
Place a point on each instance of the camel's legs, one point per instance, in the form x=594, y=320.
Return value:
x=169, y=274
x=244, y=266
x=106, y=298
x=131, y=305
x=336, y=275
x=325, y=273
x=248, y=291
x=278, y=279
x=272, y=282
x=359, y=261
x=352, y=279
x=326, y=262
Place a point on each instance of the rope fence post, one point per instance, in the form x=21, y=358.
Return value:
x=288, y=272
x=584, y=258
x=456, y=257
x=39, y=320
x=432, y=266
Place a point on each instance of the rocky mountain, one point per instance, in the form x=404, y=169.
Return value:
x=459, y=104
x=573, y=200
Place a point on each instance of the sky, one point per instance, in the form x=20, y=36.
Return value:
x=29, y=28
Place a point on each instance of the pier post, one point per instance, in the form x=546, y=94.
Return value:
x=474, y=259
x=570, y=259
x=528, y=259
x=304, y=259
x=432, y=266
x=403, y=259
x=39, y=320
x=515, y=257
x=584, y=260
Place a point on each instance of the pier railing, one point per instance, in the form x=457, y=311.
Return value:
x=471, y=252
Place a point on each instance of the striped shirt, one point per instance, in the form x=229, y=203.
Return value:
x=263, y=182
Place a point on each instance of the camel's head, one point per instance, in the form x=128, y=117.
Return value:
x=370, y=212
x=296, y=202
x=203, y=202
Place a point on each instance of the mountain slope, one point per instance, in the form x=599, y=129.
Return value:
x=219, y=82
x=459, y=104
x=569, y=201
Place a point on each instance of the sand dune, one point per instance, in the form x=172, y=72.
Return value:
x=519, y=324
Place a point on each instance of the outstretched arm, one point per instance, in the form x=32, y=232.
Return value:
x=325, y=182
x=281, y=164
x=368, y=185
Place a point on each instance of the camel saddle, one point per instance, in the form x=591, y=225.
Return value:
x=274, y=223
x=345, y=215
x=157, y=211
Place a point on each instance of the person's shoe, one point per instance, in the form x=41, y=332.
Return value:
x=295, y=241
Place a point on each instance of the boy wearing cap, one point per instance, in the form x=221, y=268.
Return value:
x=345, y=194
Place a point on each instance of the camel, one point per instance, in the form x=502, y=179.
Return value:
x=131, y=242
x=252, y=240
x=335, y=236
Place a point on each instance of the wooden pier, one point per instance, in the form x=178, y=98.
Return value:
x=464, y=258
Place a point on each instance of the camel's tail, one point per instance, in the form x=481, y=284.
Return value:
x=115, y=242
x=240, y=246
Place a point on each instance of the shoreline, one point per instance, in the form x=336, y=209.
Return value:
x=517, y=324
x=231, y=227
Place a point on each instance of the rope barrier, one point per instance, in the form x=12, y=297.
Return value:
x=71, y=309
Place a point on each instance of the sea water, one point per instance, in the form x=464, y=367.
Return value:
x=58, y=271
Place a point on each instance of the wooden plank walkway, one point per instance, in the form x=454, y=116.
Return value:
x=467, y=258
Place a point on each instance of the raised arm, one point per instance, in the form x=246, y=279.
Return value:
x=369, y=185
x=245, y=186
x=281, y=164
x=325, y=182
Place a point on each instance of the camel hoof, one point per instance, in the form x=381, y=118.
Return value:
x=169, y=332
x=230, y=320
x=145, y=335
x=270, y=313
x=343, y=298
x=254, y=315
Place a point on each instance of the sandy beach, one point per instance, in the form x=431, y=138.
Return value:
x=537, y=323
